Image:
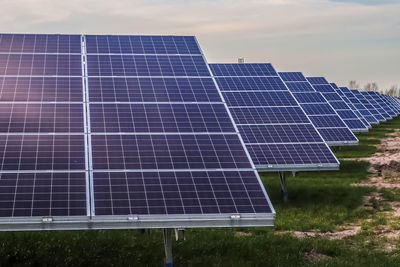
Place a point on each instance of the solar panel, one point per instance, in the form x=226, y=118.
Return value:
x=373, y=101
x=361, y=124
x=328, y=123
x=277, y=133
x=368, y=105
x=335, y=99
x=42, y=132
x=359, y=106
x=392, y=102
x=119, y=132
x=380, y=101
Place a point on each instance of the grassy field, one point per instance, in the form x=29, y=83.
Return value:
x=318, y=202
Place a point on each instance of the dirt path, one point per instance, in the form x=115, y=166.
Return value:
x=384, y=173
x=385, y=166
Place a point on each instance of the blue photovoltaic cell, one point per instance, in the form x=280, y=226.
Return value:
x=287, y=154
x=146, y=193
x=300, y=87
x=162, y=118
x=41, y=89
x=42, y=152
x=146, y=65
x=279, y=134
x=233, y=70
x=269, y=116
x=43, y=194
x=318, y=109
x=259, y=99
x=292, y=76
x=346, y=114
x=337, y=134
x=250, y=83
x=317, y=80
x=123, y=89
x=339, y=105
x=40, y=43
x=309, y=97
x=323, y=88
x=120, y=44
x=41, y=118
x=355, y=123
x=327, y=121
x=40, y=64
x=173, y=152
x=332, y=97
x=265, y=115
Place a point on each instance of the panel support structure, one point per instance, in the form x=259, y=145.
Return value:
x=284, y=190
x=168, y=238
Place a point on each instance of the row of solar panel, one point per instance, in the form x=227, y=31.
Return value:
x=152, y=145
x=170, y=149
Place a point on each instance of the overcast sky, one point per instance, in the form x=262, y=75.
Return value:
x=339, y=39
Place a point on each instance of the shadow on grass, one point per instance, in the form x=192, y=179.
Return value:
x=320, y=200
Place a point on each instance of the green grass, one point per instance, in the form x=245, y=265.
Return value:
x=367, y=141
x=318, y=201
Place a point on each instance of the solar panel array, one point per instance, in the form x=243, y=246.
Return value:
x=359, y=106
x=392, y=102
x=352, y=121
x=367, y=104
x=277, y=133
x=328, y=123
x=389, y=109
x=119, y=132
x=372, y=99
x=365, y=124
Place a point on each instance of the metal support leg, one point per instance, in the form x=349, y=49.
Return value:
x=285, y=194
x=168, y=236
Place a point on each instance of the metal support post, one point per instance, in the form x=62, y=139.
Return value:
x=168, y=236
x=285, y=194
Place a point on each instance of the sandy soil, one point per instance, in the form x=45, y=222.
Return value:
x=384, y=173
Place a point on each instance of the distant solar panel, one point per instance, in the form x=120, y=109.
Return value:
x=373, y=101
x=119, y=132
x=379, y=99
x=328, y=123
x=394, y=102
x=365, y=125
x=275, y=129
x=351, y=119
x=368, y=105
x=359, y=106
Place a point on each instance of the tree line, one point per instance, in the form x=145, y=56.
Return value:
x=394, y=90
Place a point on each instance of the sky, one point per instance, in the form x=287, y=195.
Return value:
x=342, y=40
